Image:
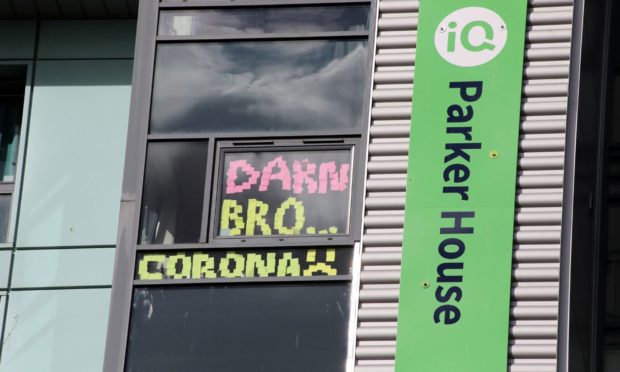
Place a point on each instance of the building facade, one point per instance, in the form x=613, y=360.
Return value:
x=220, y=185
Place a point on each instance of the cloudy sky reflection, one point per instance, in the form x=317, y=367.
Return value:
x=242, y=21
x=262, y=86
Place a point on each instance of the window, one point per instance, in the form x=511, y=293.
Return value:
x=283, y=191
x=12, y=90
x=173, y=195
x=251, y=188
x=272, y=327
x=261, y=86
x=264, y=20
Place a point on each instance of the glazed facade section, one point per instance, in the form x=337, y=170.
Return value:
x=58, y=259
x=265, y=157
x=244, y=174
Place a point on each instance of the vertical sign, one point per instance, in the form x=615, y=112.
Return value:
x=459, y=216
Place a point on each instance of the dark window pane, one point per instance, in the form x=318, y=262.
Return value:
x=269, y=193
x=259, y=86
x=172, y=202
x=12, y=85
x=215, y=22
x=5, y=215
x=244, y=263
x=266, y=327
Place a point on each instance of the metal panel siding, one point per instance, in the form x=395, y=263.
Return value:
x=70, y=9
x=534, y=304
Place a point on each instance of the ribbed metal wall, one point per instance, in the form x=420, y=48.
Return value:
x=68, y=9
x=534, y=296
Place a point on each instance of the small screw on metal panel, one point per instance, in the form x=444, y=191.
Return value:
x=425, y=284
x=493, y=154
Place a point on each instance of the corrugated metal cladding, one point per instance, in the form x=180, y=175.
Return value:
x=534, y=304
x=77, y=9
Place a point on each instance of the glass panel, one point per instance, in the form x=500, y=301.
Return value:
x=269, y=193
x=5, y=264
x=3, y=296
x=248, y=21
x=62, y=267
x=76, y=148
x=244, y=263
x=5, y=215
x=56, y=331
x=267, y=327
x=259, y=86
x=173, y=195
x=12, y=88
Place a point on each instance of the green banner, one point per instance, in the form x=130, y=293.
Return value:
x=459, y=215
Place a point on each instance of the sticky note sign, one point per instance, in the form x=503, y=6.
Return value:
x=238, y=264
x=285, y=193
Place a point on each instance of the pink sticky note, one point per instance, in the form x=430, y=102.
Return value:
x=283, y=175
x=231, y=176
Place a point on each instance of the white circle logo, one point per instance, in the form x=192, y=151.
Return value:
x=471, y=36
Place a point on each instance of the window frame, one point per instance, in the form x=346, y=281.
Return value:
x=206, y=191
x=344, y=285
x=349, y=238
x=254, y=5
x=215, y=135
x=14, y=188
x=139, y=137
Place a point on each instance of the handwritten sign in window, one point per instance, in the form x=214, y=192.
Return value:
x=286, y=193
x=244, y=264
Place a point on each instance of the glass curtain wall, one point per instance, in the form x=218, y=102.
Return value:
x=251, y=189
x=57, y=269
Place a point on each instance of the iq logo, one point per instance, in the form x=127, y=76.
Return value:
x=471, y=36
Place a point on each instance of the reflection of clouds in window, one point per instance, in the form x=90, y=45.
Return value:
x=290, y=85
x=182, y=25
x=265, y=20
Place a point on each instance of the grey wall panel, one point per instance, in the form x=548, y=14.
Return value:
x=536, y=258
x=17, y=39
x=81, y=39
